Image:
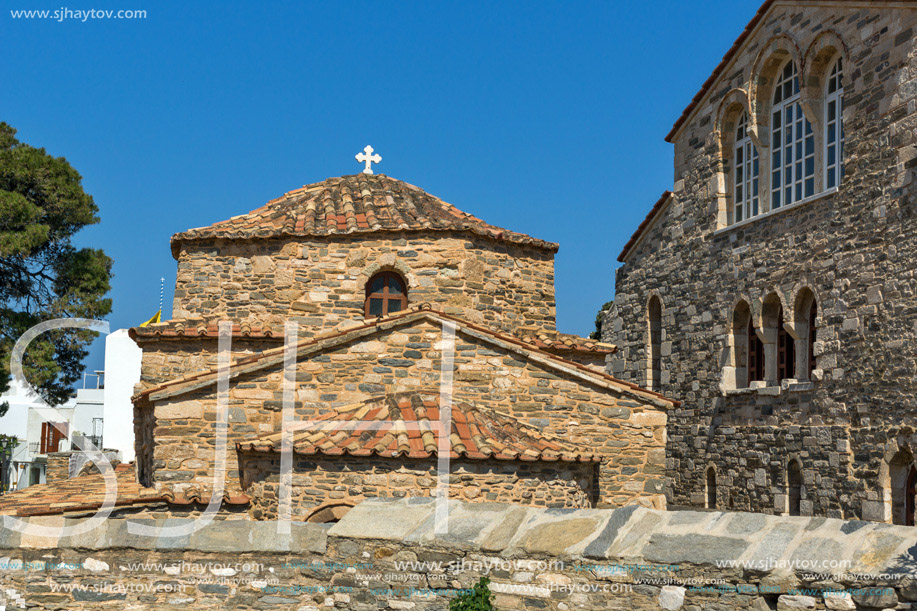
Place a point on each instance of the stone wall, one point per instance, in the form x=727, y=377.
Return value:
x=389, y=555
x=321, y=283
x=58, y=468
x=321, y=481
x=627, y=430
x=853, y=249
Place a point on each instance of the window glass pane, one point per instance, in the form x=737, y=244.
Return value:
x=810, y=166
x=832, y=110
x=775, y=183
x=810, y=187
x=739, y=197
x=375, y=307
x=830, y=177
x=394, y=305
x=394, y=285
x=377, y=284
x=810, y=146
x=738, y=214
x=831, y=156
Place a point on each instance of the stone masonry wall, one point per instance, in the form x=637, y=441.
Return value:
x=853, y=248
x=389, y=555
x=629, y=431
x=321, y=481
x=321, y=283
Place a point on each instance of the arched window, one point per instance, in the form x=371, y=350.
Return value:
x=711, y=487
x=813, y=314
x=386, y=293
x=654, y=347
x=745, y=170
x=786, y=351
x=834, y=126
x=903, y=481
x=792, y=143
x=794, y=487
x=755, y=355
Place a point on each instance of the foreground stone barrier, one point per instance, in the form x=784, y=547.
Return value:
x=387, y=555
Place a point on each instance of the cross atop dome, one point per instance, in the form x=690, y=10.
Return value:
x=369, y=158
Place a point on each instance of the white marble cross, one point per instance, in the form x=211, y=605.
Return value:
x=369, y=158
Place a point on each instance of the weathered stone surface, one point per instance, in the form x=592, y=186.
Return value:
x=852, y=250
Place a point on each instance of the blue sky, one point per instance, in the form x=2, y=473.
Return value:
x=544, y=118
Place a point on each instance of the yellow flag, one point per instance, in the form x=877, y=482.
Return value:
x=154, y=320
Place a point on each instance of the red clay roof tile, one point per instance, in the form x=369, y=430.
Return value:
x=360, y=203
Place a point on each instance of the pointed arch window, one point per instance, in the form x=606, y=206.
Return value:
x=792, y=143
x=834, y=126
x=745, y=171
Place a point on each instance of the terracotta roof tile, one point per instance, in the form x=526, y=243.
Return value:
x=253, y=362
x=195, y=328
x=86, y=493
x=360, y=203
x=646, y=223
x=407, y=425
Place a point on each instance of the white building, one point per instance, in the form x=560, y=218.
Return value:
x=101, y=413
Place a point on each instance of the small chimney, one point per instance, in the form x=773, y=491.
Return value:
x=58, y=467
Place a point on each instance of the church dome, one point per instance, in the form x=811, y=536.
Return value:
x=347, y=205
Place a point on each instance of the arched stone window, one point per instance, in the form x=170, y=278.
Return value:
x=792, y=142
x=786, y=350
x=902, y=480
x=806, y=314
x=654, y=344
x=794, y=487
x=745, y=362
x=711, y=487
x=745, y=172
x=756, y=360
x=834, y=126
x=386, y=293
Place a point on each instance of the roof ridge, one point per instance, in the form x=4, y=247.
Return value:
x=329, y=208
x=418, y=311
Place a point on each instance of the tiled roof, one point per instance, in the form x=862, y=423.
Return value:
x=86, y=493
x=724, y=63
x=643, y=226
x=83, y=493
x=360, y=203
x=408, y=425
x=198, y=327
x=319, y=343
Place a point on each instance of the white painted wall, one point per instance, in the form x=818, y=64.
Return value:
x=122, y=372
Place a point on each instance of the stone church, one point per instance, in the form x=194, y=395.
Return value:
x=773, y=290
x=397, y=296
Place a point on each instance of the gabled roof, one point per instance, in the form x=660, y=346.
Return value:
x=407, y=425
x=657, y=207
x=314, y=345
x=347, y=205
x=733, y=50
x=86, y=493
x=193, y=328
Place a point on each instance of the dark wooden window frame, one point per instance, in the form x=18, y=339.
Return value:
x=786, y=351
x=386, y=296
x=51, y=436
x=755, y=364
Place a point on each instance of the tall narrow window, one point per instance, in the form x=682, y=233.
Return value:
x=386, y=293
x=745, y=170
x=654, y=348
x=711, y=488
x=786, y=351
x=903, y=481
x=52, y=435
x=834, y=126
x=792, y=143
x=794, y=487
x=755, y=355
x=813, y=313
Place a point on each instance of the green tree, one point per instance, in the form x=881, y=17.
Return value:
x=479, y=599
x=597, y=334
x=42, y=275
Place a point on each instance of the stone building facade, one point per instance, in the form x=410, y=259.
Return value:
x=774, y=289
x=395, y=295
